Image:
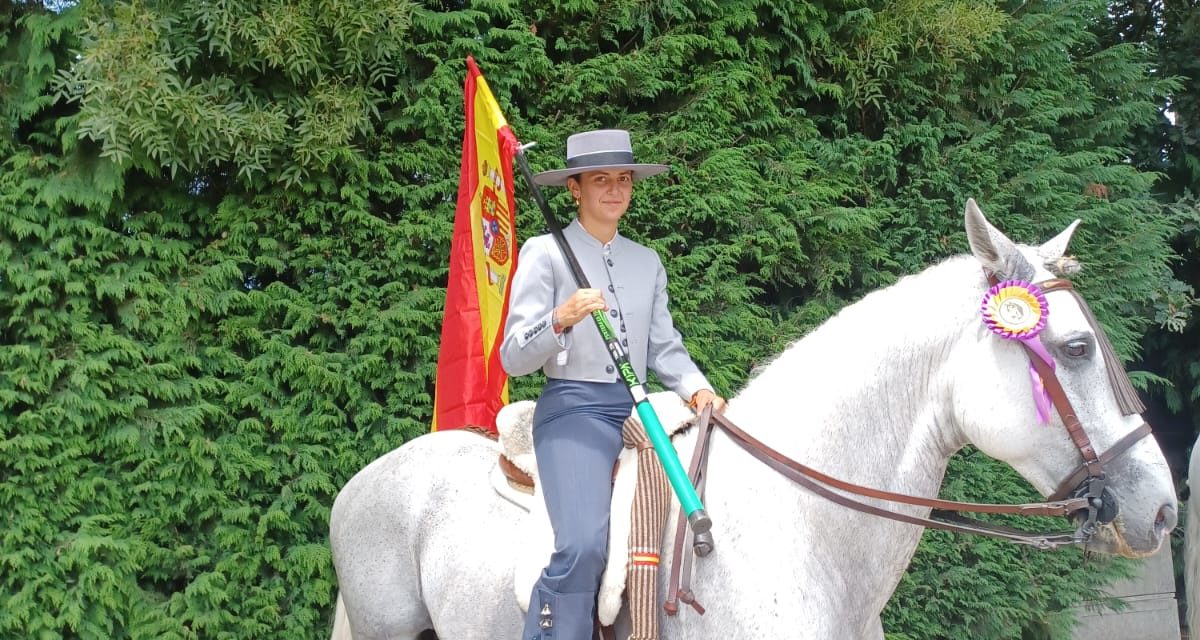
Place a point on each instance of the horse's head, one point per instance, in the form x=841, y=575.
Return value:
x=1001, y=410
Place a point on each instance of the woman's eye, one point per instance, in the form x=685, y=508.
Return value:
x=1077, y=349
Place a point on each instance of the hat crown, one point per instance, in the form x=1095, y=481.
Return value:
x=599, y=141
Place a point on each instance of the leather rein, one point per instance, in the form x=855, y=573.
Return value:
x=1081, y=492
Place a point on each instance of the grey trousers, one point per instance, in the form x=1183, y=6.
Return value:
x=576, y=439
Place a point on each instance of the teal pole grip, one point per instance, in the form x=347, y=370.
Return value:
x=698, y=520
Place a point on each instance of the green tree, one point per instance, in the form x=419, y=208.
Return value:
x=1170, y=146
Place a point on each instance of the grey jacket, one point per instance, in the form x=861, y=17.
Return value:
x=634, y=284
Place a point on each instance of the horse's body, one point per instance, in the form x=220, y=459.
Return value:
x=882, y=395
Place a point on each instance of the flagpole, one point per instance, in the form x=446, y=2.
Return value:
x=698, y=519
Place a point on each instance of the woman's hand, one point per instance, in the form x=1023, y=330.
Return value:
x=705, y=397
x=579, y=306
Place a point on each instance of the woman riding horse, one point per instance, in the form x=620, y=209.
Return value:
x=577, y=423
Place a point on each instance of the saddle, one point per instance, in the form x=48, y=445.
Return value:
x=514, y=477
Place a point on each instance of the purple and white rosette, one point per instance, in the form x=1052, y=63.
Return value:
x=1017, y=310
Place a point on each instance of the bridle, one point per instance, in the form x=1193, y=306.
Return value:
x=1088, y=481
x=1082, y=492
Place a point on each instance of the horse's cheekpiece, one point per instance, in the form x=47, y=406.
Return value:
x=1101, y=504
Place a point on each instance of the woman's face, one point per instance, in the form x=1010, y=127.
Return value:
x=603, y=195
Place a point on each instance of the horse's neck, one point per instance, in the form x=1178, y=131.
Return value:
x=864, y=401
x=867, y=393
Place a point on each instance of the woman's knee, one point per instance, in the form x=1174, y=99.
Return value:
x=585, y=555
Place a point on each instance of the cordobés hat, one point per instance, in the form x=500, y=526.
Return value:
x=596, y=150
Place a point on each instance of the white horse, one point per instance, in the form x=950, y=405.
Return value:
x=881, y=395
x=1191, y=544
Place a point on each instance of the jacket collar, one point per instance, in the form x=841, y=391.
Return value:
x=576, y=233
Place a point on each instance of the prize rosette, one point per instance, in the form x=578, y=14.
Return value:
x=1015, y=310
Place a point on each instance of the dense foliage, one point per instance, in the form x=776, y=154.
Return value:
x=224, y=230
x=1170, y=145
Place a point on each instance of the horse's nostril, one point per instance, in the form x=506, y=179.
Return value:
x=1166, y=519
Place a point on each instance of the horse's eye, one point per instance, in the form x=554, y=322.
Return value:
x=1077, y=348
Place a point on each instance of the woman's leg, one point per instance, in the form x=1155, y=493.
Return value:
x=577, y=438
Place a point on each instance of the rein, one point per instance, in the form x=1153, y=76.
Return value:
x=1086, y=486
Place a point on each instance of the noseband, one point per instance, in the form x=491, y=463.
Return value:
x=1083, y=492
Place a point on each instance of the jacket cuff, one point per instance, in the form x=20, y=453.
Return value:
x=690, y=383
x=537, y=329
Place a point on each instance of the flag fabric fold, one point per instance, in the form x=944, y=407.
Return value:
x=471, y=385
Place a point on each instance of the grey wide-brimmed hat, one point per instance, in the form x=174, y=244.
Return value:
x=596, y=150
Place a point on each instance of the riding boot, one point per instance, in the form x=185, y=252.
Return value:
x=560, y=616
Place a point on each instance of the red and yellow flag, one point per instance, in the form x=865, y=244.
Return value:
x=471, y=385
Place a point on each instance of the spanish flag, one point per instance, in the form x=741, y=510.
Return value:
x=471, y=385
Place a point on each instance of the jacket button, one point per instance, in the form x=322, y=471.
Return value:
x=612, y=312
x=612, y=289
x=625, y=342
x=610, y=262
x=609, y=369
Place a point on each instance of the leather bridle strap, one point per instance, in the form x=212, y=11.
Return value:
x=947, y=518
x=1052, y=508
x=813, y=480
x=1081, y=473
x=807, y=477
x=679, y=586
x=1088, y=480
x=1058, y=397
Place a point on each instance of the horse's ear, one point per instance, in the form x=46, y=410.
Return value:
x=993, y=249
x=1053, y=252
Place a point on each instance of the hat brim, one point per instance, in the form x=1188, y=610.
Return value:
x=558, y=177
